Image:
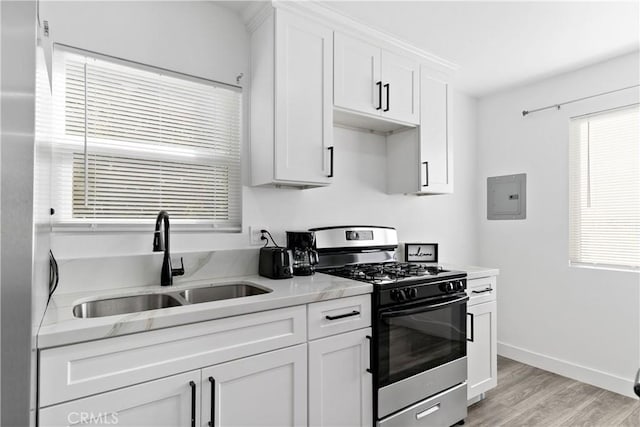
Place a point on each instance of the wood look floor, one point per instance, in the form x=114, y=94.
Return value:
x=528, y=396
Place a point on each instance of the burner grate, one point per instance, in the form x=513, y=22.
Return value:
x=385, y=272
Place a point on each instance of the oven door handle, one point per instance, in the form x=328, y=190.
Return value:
x=423, y=308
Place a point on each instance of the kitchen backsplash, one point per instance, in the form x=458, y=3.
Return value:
x=113, y=272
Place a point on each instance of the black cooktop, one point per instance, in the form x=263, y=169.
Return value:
x=392, y=272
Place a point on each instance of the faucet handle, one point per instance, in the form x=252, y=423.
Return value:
x=178, y=271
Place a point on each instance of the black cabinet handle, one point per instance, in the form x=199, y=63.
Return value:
x=387, y=87
x=330, y=162
x=213, y=400
x=193, y=403
x=482, y=291
x=426, y=174
x=379, y=107
x=369, y=369
x=472, y=328
x=342, y=316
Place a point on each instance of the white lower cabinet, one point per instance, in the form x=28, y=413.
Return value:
x=340, y=387
x=482, y=351
x=265, y=390
x=269, y=389
x=252, y=370
x=164, y=402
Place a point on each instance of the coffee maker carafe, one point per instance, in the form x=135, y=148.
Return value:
x=303, y=246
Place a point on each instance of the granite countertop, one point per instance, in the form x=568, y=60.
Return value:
x=60, y=327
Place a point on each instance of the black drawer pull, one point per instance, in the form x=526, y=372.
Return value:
x=342, y=316
x=426, y=174
x=482, y=291
x=213, y=400
x=193, y=403
x=387, y=87
x=369, y=368
x=331, y=162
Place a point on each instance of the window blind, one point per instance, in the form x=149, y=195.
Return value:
x=132, y=140
x=604, y=189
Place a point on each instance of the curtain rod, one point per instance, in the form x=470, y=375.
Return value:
x=557, y=106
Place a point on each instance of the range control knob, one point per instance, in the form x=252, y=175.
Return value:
x=449, y=287
x=398, y=295
x=413, y=293
x=460, y=285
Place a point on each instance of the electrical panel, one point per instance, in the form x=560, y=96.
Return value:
x=507, y=197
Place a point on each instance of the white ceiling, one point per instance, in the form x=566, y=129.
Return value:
x=504, y=43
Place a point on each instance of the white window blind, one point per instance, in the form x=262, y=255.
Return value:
x=604, y=187
x=131, y=140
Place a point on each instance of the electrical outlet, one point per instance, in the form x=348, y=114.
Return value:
x=255, y=235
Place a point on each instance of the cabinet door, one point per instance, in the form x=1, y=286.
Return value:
x=303, y=105
x=482, y=356
x=265, y=390
x=171, y=402
x=436, y=154
x=340, y=388
x=357, y=84
x=400, y=95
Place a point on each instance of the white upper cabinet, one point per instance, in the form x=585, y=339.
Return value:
x=291, y=109
x=436, y=151
x=400, y=88
x=357, y=72
x=420, y=161
x=374, y=81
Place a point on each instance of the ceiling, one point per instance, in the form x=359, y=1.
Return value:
x=504, y=43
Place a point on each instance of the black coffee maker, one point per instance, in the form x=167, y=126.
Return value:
x=303, y=246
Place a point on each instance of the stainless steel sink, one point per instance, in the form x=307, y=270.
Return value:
x=221, y=292
x=124, y=305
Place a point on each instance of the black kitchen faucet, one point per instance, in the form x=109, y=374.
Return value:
x=161, y=244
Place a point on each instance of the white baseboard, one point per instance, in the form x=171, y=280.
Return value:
x=583, y=374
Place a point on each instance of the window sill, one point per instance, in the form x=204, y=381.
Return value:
x=147, y=227
x=607, y=267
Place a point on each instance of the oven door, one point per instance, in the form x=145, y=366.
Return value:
x=422, y=350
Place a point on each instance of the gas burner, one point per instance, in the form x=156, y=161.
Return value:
x=387, y=272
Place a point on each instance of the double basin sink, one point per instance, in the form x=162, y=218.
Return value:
x=138, y=303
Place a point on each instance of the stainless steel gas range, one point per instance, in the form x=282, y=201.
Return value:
x=419, y=349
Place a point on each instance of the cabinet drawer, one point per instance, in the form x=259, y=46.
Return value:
x=339, y=315
x=481, y=290
x=163, y=402
x=83, y=369
x=442, y=410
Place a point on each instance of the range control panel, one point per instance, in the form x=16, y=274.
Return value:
x=409, y=293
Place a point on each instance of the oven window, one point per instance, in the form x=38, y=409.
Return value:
x=414, y=343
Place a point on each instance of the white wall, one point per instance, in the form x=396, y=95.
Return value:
x=216, y=44
x=583, y=323
x=192, y=37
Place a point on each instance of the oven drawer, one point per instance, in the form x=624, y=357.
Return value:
x=441, y=410
x=481, y=290
x=339, y=315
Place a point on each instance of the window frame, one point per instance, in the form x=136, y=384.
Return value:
x=142, y=224
x=628, y=103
